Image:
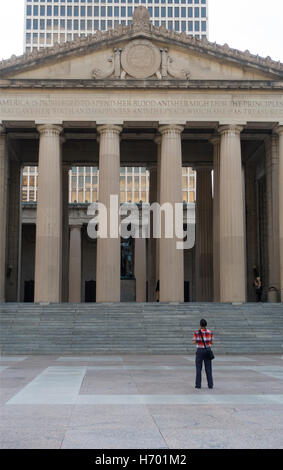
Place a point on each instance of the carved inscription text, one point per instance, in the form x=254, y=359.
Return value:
x=139, y=106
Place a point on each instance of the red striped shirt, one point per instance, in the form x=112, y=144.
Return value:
x=207, y=337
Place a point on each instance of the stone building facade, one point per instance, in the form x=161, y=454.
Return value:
x=140, y=95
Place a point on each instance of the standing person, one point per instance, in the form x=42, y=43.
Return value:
x=157, y=291
x=204, y=335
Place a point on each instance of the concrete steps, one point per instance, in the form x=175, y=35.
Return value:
x=138, y=328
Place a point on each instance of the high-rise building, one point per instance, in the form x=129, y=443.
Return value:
x=51, y=21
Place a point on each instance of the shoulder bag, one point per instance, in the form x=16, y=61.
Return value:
x=209, y=352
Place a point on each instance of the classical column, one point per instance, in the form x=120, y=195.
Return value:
x=75, y=264
x=3, y=209
x=280, y=132
x=216, y=227
x=204, y=236
x=14, y=230
x=152, y=242
x=232, y=233
x=65, y=232
x=252, y=228
x=272, y=199
x=108, y=249
x=140, y=269
x=171, y=262
x=48, y=252
x=157, y=140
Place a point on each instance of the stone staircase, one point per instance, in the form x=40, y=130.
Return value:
x=133, y=328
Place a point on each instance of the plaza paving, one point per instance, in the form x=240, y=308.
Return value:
x=124, y=402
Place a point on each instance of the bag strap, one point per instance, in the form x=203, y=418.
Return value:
x=202, y=339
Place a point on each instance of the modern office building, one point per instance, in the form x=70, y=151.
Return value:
x=55, y=21
x=83, y=184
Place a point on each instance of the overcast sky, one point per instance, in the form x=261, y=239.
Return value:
x=256, y=25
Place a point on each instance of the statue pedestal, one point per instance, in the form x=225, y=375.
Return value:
x=128, y=290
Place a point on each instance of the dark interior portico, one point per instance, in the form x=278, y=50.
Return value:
x=80, y=147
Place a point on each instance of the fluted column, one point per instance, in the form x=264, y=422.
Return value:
x=204, y=236
x=48, y=253
x=232, y=234
x=272, y=200
x=140, y=269
x=3, y=209
x=75, y=264
x=152, y=242
x=65, y=232
x=108, y=249
x=216, y=227
x=280, y=132
x=171, y=260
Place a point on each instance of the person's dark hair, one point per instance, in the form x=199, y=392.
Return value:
x=203, y=323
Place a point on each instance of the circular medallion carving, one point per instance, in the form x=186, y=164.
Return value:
x=141, y=59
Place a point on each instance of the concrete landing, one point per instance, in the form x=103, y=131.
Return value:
x=140, y=401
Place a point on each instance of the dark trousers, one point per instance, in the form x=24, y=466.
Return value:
x=200, y=358
x=258, y=293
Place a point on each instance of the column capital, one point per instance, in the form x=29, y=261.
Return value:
x=278, y=129
x=170, y=129
x=49, y=129
x=230, y=129
x=105, y=128
x=215, y=140
x=157, y=139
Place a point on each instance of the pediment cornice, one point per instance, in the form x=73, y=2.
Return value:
x=141, y=28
